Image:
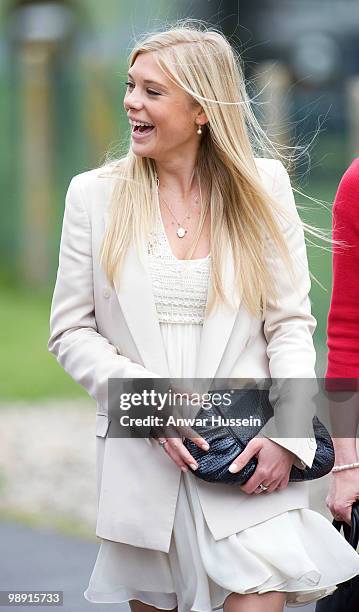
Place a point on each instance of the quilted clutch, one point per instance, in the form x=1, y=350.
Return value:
x=226, y=442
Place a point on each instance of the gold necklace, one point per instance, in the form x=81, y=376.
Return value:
x=181, y=230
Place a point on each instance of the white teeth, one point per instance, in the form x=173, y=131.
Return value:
x=140, y=123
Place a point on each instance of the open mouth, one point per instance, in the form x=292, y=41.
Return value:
x=143, y=129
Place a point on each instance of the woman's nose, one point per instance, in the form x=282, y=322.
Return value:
x=133, y=100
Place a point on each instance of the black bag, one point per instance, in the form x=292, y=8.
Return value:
x=227, y=442
x=346, y=596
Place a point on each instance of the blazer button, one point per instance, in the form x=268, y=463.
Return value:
x=106, y=293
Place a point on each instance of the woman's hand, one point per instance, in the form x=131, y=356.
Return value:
x=173, y=436
x=273, y=468
x=343, y=492
x=177, y=451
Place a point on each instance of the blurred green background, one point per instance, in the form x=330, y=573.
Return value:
x=62, y=73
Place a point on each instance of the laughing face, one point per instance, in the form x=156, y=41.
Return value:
x=163, y=117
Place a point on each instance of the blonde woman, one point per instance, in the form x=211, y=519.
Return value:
x=186, y=258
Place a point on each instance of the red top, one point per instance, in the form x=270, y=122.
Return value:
x=343, y=318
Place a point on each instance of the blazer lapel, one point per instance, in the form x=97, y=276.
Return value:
x=217, y=327
x=135, y=295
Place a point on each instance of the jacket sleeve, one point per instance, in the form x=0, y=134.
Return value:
x=87, y=356
x=288, y=329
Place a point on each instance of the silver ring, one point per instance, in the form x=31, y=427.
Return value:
x=262, y=487
x=162, y=442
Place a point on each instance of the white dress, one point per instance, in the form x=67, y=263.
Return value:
x=298, y=552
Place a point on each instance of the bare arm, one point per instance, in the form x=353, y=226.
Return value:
x=344, y=485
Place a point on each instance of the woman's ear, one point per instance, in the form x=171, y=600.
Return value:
x=201, y=117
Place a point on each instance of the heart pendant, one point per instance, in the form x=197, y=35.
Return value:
x=181, y=232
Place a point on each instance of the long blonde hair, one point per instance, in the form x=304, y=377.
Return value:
x=203, y=63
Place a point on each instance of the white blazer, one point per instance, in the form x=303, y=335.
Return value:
x=98, y=332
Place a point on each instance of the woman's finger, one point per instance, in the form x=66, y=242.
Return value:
x=173, y=453
x=172, y=449
x=181, y=432
x=179, y=454
x=283, y=483
x=260, y=491
x=259, y=477
x=270, y=487
x=177, y=451
x=186, y=431
x=252, y=448
x=187, y=457
x=340, y=510
x=201, y=443
x=273, y=486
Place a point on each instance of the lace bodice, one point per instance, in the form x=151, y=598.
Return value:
x=179, y=286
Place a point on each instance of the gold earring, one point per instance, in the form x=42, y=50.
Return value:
x=199, y=130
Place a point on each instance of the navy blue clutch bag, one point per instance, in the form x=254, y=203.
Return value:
x=226, y=442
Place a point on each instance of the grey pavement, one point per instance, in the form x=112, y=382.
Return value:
x=33, y=559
